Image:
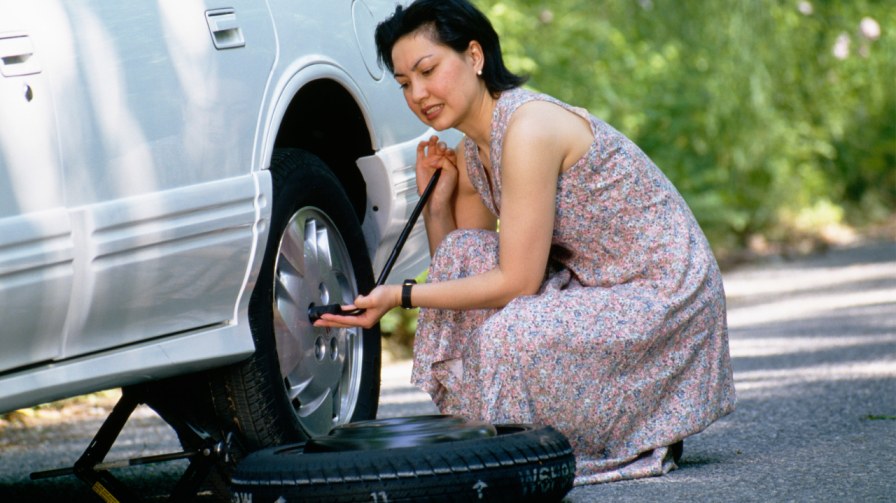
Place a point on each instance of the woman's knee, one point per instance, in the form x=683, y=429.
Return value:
x=465, y=252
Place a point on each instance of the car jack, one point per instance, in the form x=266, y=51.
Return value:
x=93, y=471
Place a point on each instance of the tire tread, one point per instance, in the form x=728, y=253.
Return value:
x=440, y=472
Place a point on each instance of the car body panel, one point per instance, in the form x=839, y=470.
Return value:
x=135, y=195
x=155, y=264
x=153, y=120
x=36, y=247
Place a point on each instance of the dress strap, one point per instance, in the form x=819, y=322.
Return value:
x=477, y=175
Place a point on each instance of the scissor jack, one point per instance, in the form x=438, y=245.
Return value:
x=91, y=468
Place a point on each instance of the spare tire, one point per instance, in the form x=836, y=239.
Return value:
x=426, y=458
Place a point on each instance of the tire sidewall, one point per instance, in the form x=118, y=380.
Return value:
x=530, y=463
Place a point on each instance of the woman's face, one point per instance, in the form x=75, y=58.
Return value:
x=439, y=84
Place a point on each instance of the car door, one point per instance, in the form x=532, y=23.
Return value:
x=36, y=251
x=157, y=104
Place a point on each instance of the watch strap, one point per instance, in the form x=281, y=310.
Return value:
x=406, y=286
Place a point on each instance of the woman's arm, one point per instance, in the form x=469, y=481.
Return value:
x=534, y=155
x=541, y=141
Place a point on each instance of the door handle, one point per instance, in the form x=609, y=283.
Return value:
x=17, y=56
x=226, y=33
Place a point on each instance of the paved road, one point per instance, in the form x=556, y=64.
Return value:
x=814, y=352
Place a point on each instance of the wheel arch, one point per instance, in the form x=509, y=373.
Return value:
x=322, y=111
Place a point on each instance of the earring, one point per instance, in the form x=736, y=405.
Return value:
x=479, y=73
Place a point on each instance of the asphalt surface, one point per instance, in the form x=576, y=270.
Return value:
x=813, y=343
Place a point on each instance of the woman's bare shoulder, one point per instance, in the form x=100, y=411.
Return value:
x=543, y=125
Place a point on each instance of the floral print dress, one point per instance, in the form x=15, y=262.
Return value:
x=625, y=347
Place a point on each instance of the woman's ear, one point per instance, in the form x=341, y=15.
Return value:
x=476, y=55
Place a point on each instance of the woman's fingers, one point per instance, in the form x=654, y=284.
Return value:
x=431, y=149
x=365, y=319
x=375, y=305
x=433, y=154
x=337, y=321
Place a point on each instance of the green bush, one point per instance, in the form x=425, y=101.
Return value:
x=763, y=121
x=747, y=106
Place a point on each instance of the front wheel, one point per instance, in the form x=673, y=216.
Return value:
x=302, y=380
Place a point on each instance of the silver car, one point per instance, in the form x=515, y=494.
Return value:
x=180, y=180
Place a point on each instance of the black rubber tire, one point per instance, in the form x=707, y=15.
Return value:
x=249, y=399
x=522, y=463
x=252, y=395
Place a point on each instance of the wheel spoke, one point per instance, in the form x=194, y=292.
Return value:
x=289, y=325
x=310, y=252
x=292, y=248
x=294, y=390
x=324, y=256
x=289, y=291
x=318, y=415
x=291, y=294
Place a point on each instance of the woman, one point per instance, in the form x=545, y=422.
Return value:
x=597, y=309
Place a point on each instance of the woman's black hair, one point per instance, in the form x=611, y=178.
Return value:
x=454, y=23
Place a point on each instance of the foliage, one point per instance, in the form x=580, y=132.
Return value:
x=753, y=108
x=769, y=116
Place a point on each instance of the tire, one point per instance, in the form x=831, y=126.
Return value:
x=516, y=463
x=249, y=402
x=302, y=381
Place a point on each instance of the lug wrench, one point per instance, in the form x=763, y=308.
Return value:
x=315, y=312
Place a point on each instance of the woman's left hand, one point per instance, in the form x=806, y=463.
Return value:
x=433, y=155
x=375, y=305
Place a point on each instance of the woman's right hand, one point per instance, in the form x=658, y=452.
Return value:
x=432, y=155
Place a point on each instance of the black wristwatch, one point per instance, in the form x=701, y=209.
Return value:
x=406, y=293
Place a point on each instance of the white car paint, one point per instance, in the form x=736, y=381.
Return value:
x=134, y=196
